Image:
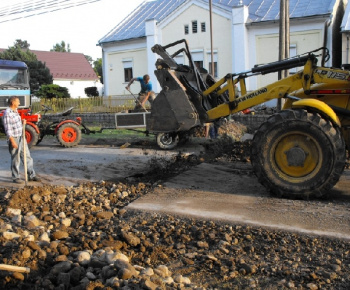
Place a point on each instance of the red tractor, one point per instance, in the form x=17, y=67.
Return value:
x=14, y=81
x=67, y=131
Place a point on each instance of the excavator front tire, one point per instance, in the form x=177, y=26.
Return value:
x=298, y=154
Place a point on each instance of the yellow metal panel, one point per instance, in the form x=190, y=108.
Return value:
x=272, y=91
x=319, y=105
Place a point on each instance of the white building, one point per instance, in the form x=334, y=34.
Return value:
x=245, y=33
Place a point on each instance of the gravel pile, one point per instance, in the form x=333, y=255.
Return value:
x=83, y=238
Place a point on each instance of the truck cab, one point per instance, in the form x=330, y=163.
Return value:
x=14, y=81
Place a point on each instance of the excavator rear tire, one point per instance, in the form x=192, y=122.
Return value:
x=167, y=140
x=298, y=154
x=69, y=135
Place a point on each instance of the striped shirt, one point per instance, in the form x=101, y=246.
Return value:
x=12, y=123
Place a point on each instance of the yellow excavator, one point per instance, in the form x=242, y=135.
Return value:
x=299, y=151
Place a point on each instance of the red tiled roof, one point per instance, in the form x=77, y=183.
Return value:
x=66, y=65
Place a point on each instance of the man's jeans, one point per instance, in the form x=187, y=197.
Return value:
x=17, y=156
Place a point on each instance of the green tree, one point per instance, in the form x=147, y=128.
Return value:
x=52, y=91
x=17, y=53
x=61, y=47
x=39, y=73
x=91, y=91
x=98, y=69
x=21, y=44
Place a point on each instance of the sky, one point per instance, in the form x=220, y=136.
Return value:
x=80, y=26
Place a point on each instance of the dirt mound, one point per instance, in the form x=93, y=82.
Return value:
x=233, y=129
x=230, y=128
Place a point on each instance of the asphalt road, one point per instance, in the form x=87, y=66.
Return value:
x=70, y=166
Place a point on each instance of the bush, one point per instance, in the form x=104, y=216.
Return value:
x=91, y=91
x=52, y=91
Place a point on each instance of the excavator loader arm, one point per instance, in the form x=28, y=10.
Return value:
x=191, y=97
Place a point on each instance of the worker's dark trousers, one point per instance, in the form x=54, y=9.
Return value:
x=141, y=98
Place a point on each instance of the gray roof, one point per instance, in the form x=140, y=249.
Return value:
x=133, y=26
x=345, y=25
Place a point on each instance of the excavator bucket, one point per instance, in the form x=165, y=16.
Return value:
x=180, y=106
x=172, y=111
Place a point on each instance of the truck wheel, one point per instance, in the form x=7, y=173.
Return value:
x=296, y=153
x=167, y=140
x=69, y=135
x=32, y=136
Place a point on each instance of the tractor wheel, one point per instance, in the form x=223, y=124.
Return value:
x=69, y=135
x=32, y=136
x=167, y=140
x=296, y=153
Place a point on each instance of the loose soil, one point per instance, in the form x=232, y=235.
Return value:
x=91, y=236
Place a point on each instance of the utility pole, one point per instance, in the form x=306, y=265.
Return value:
x=287, y=46
x=284, y=41
x=211, y=38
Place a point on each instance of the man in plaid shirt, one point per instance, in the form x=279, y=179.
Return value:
x=13, y=129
